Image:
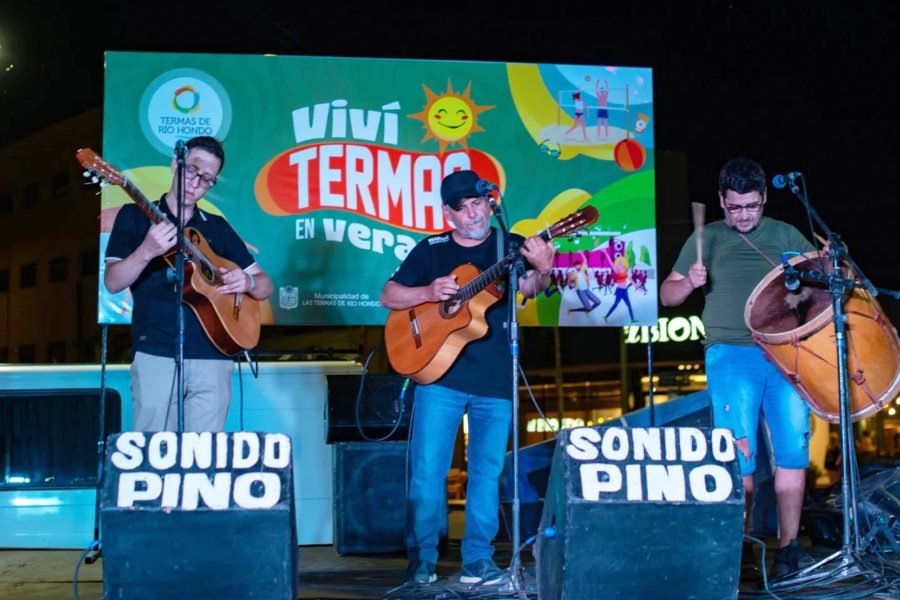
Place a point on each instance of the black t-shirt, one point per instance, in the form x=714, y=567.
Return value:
x=484, y=366
x=154, y=329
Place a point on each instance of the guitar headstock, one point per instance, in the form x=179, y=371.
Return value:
x=98, y=167
x=575, y=221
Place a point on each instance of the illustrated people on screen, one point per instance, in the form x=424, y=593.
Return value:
x=475, y=384
x=589, y=301
x=579, y=118
x=135, y=259
x=602, y=93
x=622, y=280
x=738, y=252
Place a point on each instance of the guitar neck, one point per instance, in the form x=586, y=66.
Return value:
x=484, y=279
x=156, y=215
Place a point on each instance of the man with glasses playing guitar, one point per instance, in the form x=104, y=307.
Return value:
x=136, y=258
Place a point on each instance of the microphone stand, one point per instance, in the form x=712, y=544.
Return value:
x=839, y=286
x=180, y=155
x=651, y=404
x=517, y=268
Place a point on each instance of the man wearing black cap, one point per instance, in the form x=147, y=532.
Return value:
x=477, y=383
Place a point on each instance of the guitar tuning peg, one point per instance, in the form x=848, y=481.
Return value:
x=95, y=179
x=86, y=174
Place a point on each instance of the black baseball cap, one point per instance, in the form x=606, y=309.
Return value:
x=458, y=186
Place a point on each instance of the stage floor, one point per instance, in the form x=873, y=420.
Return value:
x=49, y=575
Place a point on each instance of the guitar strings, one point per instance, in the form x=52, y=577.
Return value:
x=465, y=293
x=482, y=280
x=577, y=220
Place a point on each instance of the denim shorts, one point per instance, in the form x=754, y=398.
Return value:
x=743, y=385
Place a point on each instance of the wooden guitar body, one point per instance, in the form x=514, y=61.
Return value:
x=423, y=341
x=231, y=321
x=424, y=354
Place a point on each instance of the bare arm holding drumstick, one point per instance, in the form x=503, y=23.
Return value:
x=676, y=288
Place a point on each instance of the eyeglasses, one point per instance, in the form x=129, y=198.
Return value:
x=734, y=209
x=191, y=173
x=549, y=150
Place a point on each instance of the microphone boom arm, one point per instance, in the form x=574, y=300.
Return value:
x=836, y=249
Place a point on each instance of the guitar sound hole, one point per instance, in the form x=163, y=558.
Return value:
x=450, y=308
x=208, y=273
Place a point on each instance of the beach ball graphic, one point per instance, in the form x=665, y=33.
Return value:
x=630, y=155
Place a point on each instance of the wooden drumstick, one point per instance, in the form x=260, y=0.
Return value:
x=699, y=210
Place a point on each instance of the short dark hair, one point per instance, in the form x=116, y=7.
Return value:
x=742, y=175
x=211, y=145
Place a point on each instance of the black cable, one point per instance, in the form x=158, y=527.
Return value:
x=254, y=372
x=240, y=397
x=534, y=402
x=172, y=393
x=762, y=566
x=358, y=403
x=93, y=547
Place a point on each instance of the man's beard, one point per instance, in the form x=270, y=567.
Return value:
x=477, y=234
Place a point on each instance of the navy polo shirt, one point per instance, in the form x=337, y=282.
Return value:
x=154, y=327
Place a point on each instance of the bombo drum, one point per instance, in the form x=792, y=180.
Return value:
x=796, y=331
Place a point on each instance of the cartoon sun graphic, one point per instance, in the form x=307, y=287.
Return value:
x=450, y=117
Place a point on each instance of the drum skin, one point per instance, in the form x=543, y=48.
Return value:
x=796, y=331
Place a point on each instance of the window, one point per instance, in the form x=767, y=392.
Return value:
x=56, y=352
x=6, y=203
x=59, y=185
x=30, y=195
x=90, y=261
x=27, y=353
x=59, y=267
x=4, y=280
x=28, y=276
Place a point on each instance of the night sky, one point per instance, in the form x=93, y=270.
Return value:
x=798, y=86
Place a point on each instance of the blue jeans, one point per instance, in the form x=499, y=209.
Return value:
x=437, y=414
x=741, y=382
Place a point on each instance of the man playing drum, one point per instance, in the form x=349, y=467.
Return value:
x=735, y=254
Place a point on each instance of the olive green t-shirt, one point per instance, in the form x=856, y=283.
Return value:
x=734, y=269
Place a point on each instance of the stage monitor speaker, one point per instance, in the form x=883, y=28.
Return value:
x=641, y=513
x=198, y=515
x=534, y=460
x=534, y=471
x=878, y=507
x=381, y=409
x=370, y=491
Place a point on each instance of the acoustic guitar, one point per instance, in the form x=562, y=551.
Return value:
x=423, y=342
x=231, y=321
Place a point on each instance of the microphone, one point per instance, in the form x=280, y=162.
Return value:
x=782, y=181
x=180, y=148
x=791, y=278
x=484, y=187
